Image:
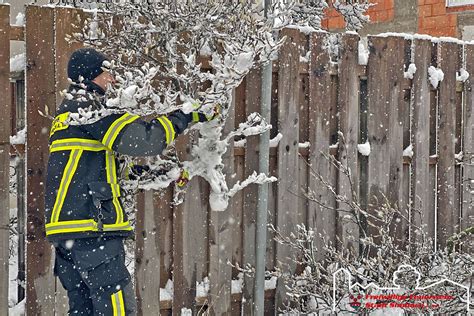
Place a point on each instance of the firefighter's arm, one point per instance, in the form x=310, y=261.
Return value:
x=140, y=138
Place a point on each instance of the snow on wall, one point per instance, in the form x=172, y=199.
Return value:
x=18, y=63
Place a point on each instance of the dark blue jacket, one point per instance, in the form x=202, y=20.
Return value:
x=82, y=190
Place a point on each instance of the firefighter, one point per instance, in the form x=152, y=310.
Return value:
x=85, y=219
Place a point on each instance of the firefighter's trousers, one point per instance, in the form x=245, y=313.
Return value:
x=93, y=272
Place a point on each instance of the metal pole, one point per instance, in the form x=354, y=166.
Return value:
x=262, y=203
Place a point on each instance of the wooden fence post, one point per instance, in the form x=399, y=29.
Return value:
x=288, y=148
x=40, y=92
x=447, y=207
x=5, y=130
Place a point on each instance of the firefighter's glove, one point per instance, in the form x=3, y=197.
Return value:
x=183, y=179
x=137, y=171
x=201, y=117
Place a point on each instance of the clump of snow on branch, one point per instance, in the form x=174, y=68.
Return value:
x=353, y=13
x=157, y=52
x=435, y=76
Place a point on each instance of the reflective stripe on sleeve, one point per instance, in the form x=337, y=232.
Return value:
x=118, y=305
x=83, y=225
x=111, y=171
x=116, y=127
x=69, y=170
x=169, y=129
x=76, y=143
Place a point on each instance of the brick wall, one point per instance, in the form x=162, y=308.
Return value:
x=434, y=18
x=381, y=11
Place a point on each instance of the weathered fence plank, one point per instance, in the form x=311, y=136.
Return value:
x=467, y=217
x=288, y=105
x=5, y=130
x=398, y=110
x=68, y=21
x=148, y=250
x=320, y=217
x=40, y=91
x=447, y=208
x=165, y=211
x=421, y=213
x=384, y=162
x=190, y=251
x=66, y=24
x=220, y=237
x=252, y=104
x=348, y=230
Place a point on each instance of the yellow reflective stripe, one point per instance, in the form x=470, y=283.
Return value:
x=76, y=143
x=118, y=305
x=169, y=129
x=195, y=117
x=114, y=304
x=111, y=171
x=58, y=123
x=121, y=304
x=68, y=174
x=82, y=226
x=170, y=126
x=116, y=127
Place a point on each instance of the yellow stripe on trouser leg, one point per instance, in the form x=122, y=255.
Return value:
x=69, y=170
x=118, y=305
x=111, y=171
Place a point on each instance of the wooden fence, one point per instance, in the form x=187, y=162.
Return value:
x=315, y=100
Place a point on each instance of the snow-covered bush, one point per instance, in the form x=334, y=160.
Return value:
x=378, y=258
x=158, y=54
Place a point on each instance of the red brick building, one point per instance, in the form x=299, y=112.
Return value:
x=453, y=18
